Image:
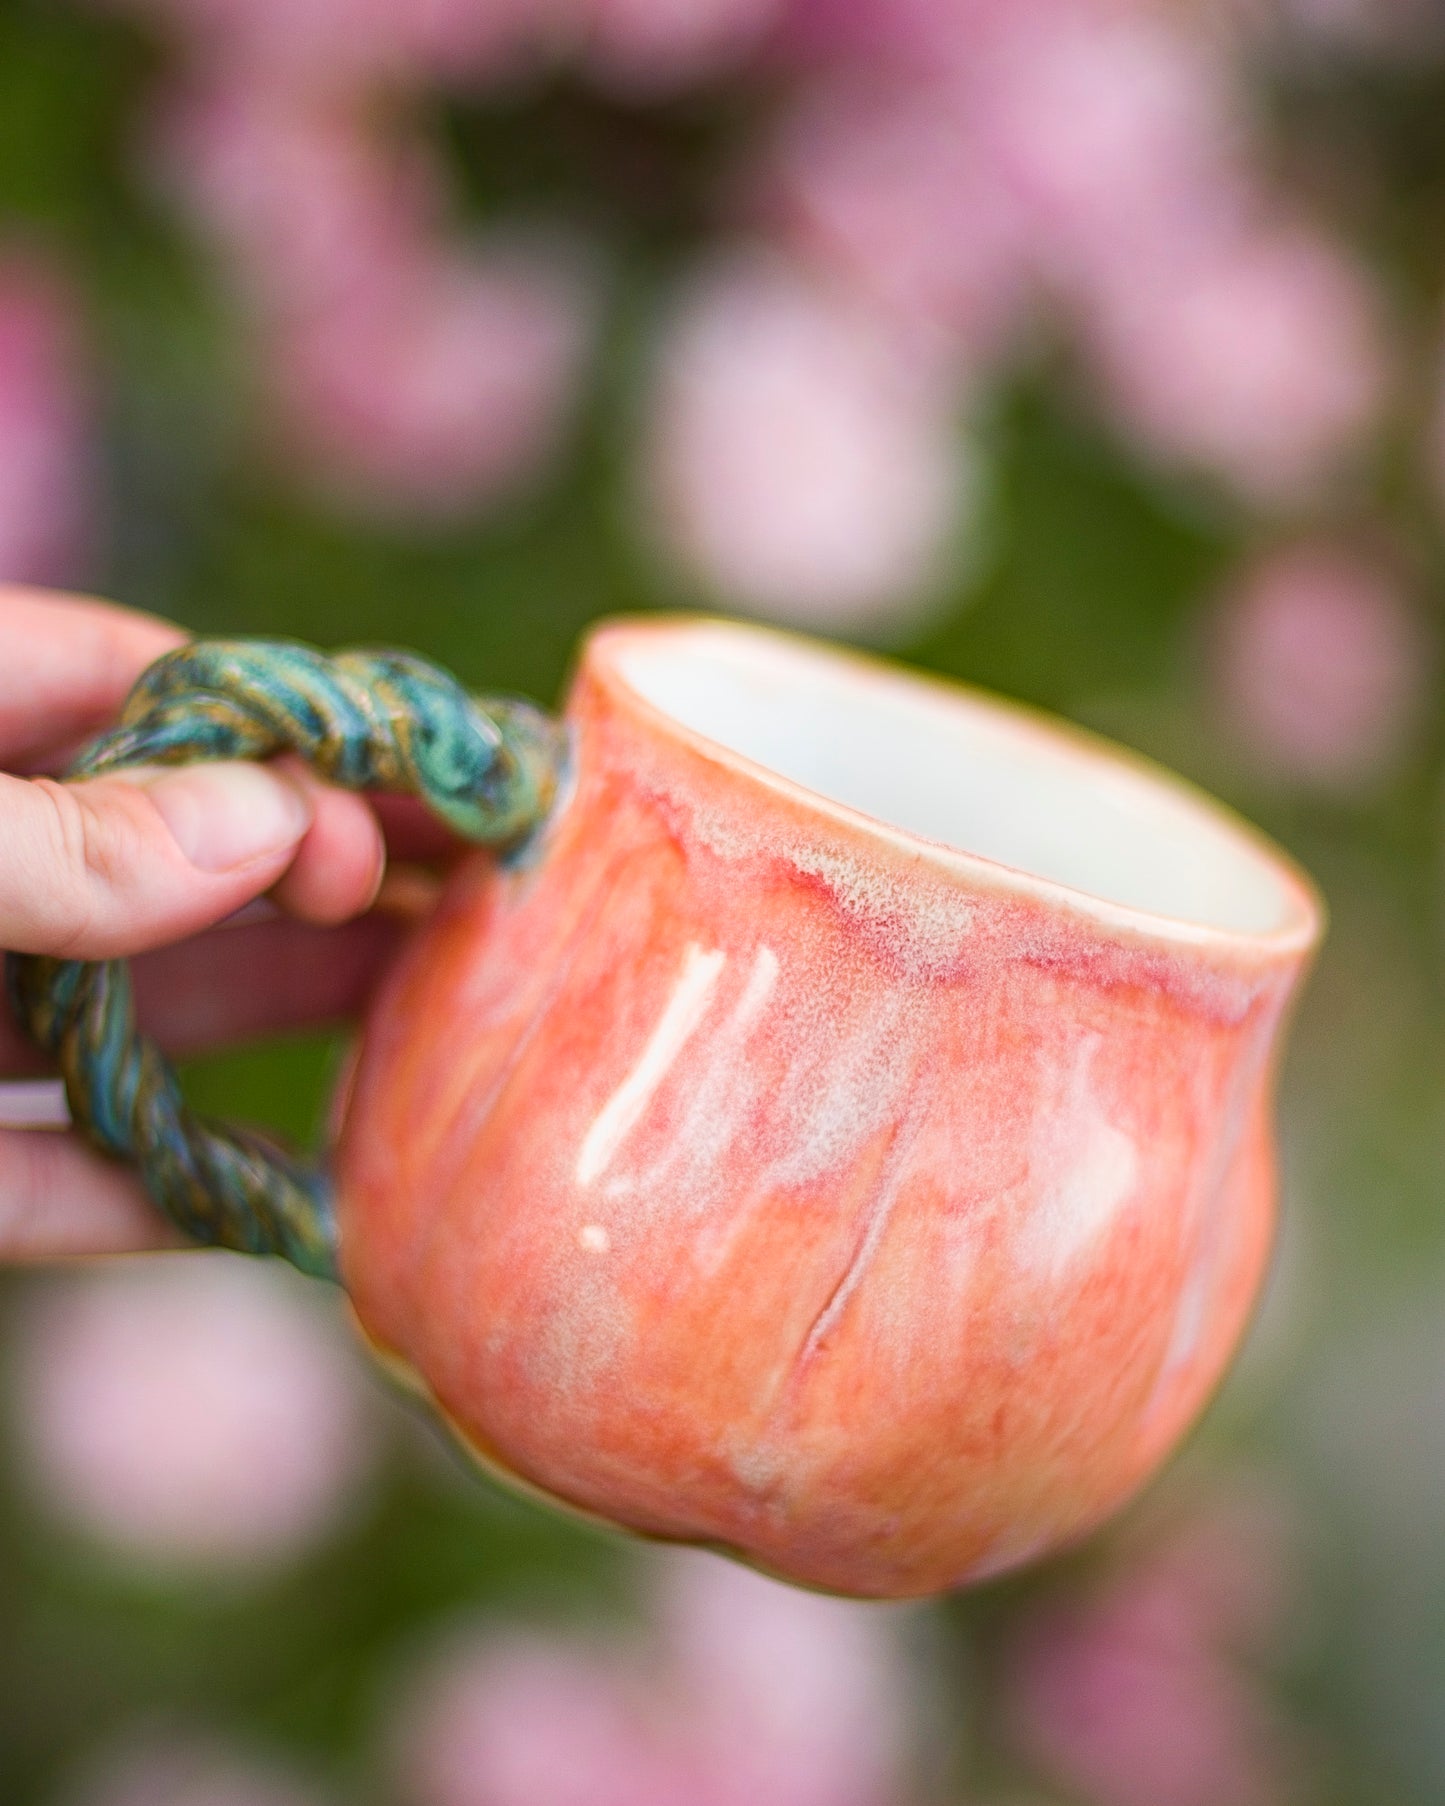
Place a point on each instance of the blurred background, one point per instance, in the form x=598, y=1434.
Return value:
x=1093, y=350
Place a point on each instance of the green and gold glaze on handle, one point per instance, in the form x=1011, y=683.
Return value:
x=489, y=767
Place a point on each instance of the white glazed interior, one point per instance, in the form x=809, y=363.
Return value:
x=958, y=768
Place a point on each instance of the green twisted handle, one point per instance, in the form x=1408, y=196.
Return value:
x=380, y=721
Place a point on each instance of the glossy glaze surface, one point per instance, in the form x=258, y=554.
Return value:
x=744, y=1171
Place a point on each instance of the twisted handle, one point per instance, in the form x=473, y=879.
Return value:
x=366, y=720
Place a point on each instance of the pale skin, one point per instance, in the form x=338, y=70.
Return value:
x=152, y=865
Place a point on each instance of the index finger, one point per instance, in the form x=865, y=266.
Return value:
x=66, y=665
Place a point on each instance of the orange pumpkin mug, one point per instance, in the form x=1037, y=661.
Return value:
x=841, y=1132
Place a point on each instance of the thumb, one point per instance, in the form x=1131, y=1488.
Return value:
x=117, y=865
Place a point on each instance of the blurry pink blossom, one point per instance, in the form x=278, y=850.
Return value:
x=799, y=1699
x=185, y=1771
x=1128, y=1696
x=888, y=184
x=651, y=45
x=1259, y=357
x=46, y=499
x=802, y=462
x=918, y=37
x=404, y=376
x=754, y=1694
x=1116, y=131
x=1321, y=664
x=436, y=387
x=304, y=203
x=191, y=1410
x=515, y=1720
x=1101, y=149
x=1109, y=1705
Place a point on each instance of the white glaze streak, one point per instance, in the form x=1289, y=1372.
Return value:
x=756, y=992
x=685, y=1009
x=1083, y=1171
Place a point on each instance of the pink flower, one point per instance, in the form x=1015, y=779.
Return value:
x=1108, y=1706
x=1127, y=1696
x=650, y=45
x=753, y=1694
x=304, y=203
x=800, y=1700
x=889, y=185
x=46, y=498
x=1321, y=665
x=1116, y=133
x=402, y=376
x=918, y=37
x=1259, y=357
x=1254, y=351
x=192, y=1410
x=185, y=1771
x=1101, y=150
x=802, y=463
x=437, y=387
x=515, y=1720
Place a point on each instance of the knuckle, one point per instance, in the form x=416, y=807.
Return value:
x=88, y=852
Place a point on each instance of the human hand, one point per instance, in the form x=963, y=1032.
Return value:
x=126, y=865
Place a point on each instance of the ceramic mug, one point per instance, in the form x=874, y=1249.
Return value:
x=845, y=1138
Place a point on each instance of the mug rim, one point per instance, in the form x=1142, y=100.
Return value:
x=1302, y=914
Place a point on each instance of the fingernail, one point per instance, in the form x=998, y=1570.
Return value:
x=228, y=815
